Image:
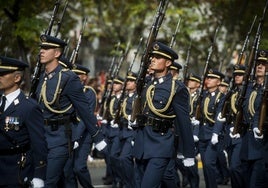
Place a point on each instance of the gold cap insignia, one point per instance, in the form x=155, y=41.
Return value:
x=262, y=53
x=156, y=47
x=43, y=38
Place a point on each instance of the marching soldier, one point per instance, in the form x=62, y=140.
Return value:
x=224, y=85
x=165, y=110
x=175, y=69
x=23, y=149
x=210, y=129
x=60, y=95
x=253, y=166
x=113, y=131
x=127, y=134
x=85, y=144
x=233, y=142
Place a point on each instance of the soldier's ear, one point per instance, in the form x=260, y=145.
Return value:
x=168, y=63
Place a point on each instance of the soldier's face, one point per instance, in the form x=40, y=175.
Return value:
x=131, y=85
x=212, y=82
x=117, y=87
x=238, y=79
x=193, y=84
x=49, y=54
x=159, y=64
x=260, y=68
x=8, y=82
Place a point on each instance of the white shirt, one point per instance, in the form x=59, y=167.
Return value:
x=11, y=97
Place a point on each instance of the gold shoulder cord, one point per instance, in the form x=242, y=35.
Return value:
x=206, y=103
x=124, y=106
x=233, y=101
x=158, y=112
x=192, y=99
x=57, y=92
x=252, y=99
x=111, y=108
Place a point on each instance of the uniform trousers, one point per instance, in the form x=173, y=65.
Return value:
x=150, y=171
x=209, y=153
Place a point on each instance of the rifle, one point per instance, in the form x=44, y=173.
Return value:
x=173, y=39
x=121, y=60
x=226, y=104
x=185, y=68
x=201, y=96
x=122, y=96
x=109, y=76
x=248, y=75
x=263, y=110
x=60, y=20
x=37, y=69
x=145, y=61
x=74, y=55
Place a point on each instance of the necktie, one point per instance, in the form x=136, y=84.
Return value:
x=2, y=107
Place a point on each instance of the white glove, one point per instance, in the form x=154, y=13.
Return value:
x=257, y=133
x=101, y=145
x=194, y=121
x=214, y=139
x=220, y=118
x=76, y=145
x=114, y=125
x=104, y=121
x=196, y=139
x=235, y=136
x=99, y=118
x=187, y=162
x=37, y=183
x=130, y=123
x=180, y=156
x=132, y=142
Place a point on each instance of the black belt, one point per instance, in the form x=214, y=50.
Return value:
x=15, y=150
x=56, y=122
x=158, y=125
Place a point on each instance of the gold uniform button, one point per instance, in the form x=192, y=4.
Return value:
x=41, y=162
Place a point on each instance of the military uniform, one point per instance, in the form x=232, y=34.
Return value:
x=61, y=95
x=164, y=100
x=23, y=150
x=210, y=128
x=253, y=166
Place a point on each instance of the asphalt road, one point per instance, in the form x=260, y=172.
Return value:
x=97, y=171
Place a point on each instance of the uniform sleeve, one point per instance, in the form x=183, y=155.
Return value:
x=74, y=90
x=218, y=127
x=35, y=126
x=183, y=124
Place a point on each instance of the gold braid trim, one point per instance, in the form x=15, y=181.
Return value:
x=149, y=99
x=124, y=105
x=206, y=113
x=206, y=103
x=252, y=98
x=57, y=92
x=111, y=108
x=192, y=99
x=233, y=101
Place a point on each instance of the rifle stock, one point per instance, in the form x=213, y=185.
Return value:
x=158, y=19
x=263, y=110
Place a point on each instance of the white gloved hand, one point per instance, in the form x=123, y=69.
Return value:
x=130, y=123
x=187, y=162
x=220, y=118
x=196, y=139
x=235, y=136
x=113, y=125
x=104, y=121
x=257, y=134
x=194, y=121
x=76, y=145
x=214, y=139
x=37, y=183
x=180, y=156
x=99, y=118
x=101, y=145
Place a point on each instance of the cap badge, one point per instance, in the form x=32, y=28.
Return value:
x=43, y=38
x=262, y=53
x=156, y=47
